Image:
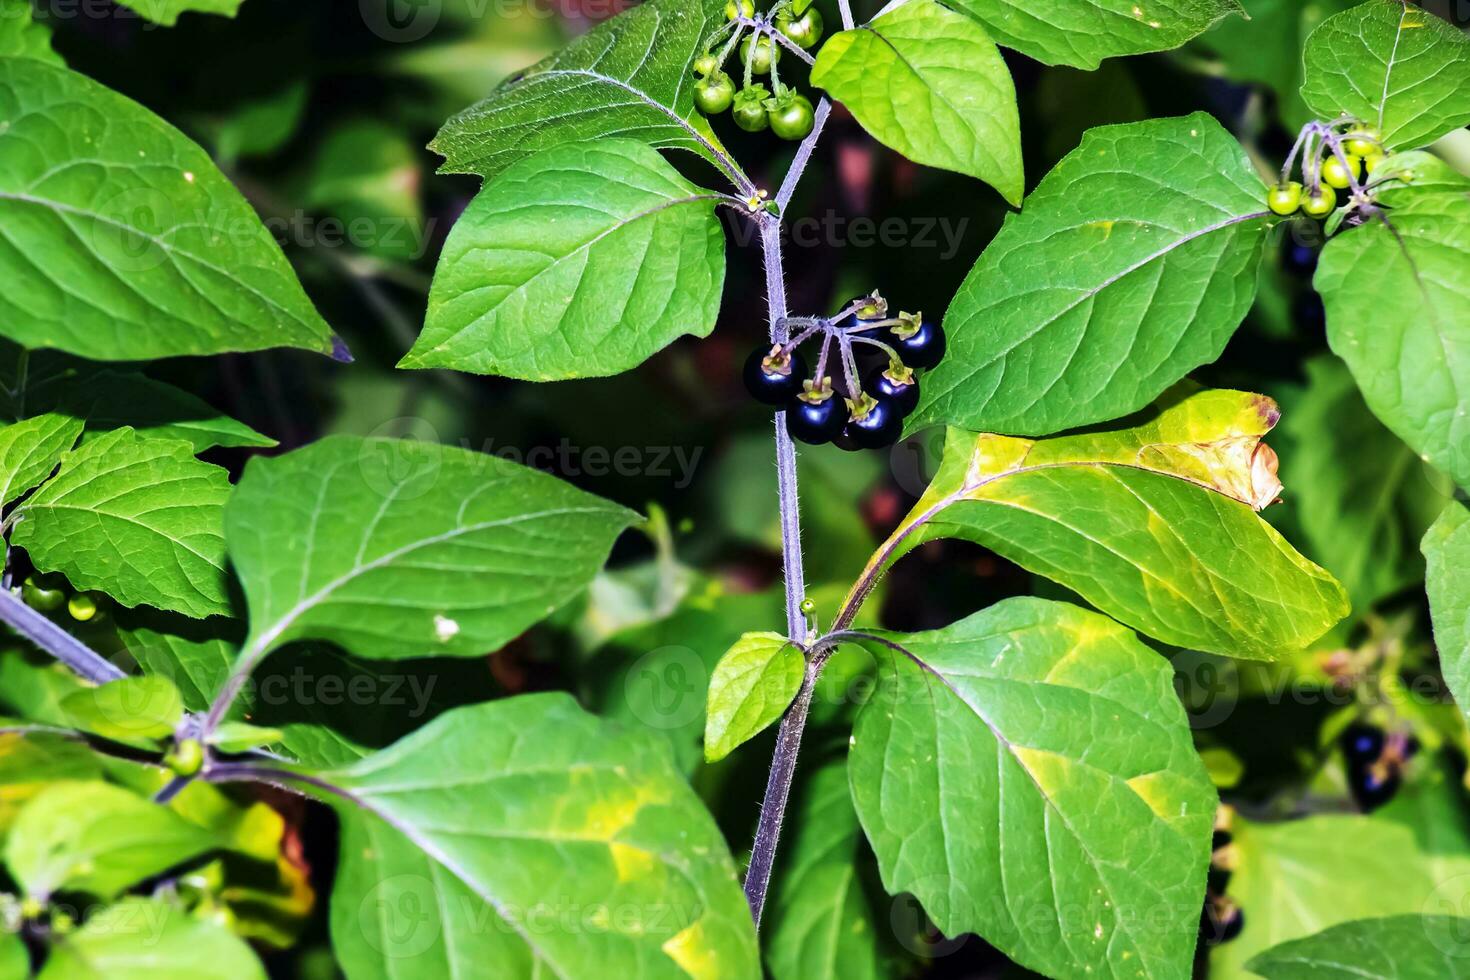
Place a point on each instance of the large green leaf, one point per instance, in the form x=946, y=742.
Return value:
x=1411, y=357
x=752, y=686
x=1393, y=65
x=820, y=922
x=628, y=77
x=95, y=838
x=930, y=83
x=399, y=549
x=21, y=36
x=1011, y=772
x=1447, y=553
x=166, y=12
x=578, y=262
x=31, y=761
x=1153, y=523
x=141, y=939
x=1402, y=947
x=542, y=841
x=30, y=450
x=123, y=240
x=1298, y=878
x=136, y=710
x=1082, y=33
x=1363, y=498
x=1132, y=264
x=138, y=519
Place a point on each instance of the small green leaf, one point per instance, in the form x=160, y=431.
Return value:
x=1081, y=33
x=237, y=736
x=930, y=84
x=138, y=519
x=1132, y=264
x=1154, y=523
x=1447, y=553
x=96, y=838
x=628, y=76
x=166, y=12
x=579, y=262
x=1411, y=357
x=396, y=550
x=498, y=814
x=127, y=710
x=1402, y=947
x=30, y=450
x=1010, y=770
x=1363, y=498
x=22, y=37
x=752, y=686
x=1392, y=65
x=108, y=400
x=142, y=939
x=126, y=242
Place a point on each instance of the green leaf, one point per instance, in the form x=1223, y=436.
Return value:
x=1153, y=523
x=366, y=175
x=1297, y=878
x=1011, y=769
x=1363, y=498
x=21, y=36
x=127, y=243
x=141, y=939
x=96, y=838
x=33, y=685
x=1447, y=554
x=108, y=400
x=1082, y=33
x=194, y=656
x=30, y=450
x=237, y=736
x=582, y=261
x=753, y=685
x=630, y=76
x=505, y=816
x=1132, y=264
x=930, y=84
x=128, y=710
x=399, y=549
x=1394, y=66
x=1411, y=357
x=138, y=519
x=15, y=959
x=31, y=761
x=166, y=12
x=821, y=924
x=1403, y=947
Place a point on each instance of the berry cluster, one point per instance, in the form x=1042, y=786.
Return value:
x=866, y=415
x=793, y=24
x=1375, y=763
x=48, y=593
x=1222, y=919
x=1331, y=161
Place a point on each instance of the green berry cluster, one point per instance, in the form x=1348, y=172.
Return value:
x=1332, y=161
x=754, y=106
x=49, y=593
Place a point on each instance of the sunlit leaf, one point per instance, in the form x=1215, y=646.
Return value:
x=752, y=686
x=140, y=939
x=1404, y=947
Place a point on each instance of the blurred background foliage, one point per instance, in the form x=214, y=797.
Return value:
x=320, y=112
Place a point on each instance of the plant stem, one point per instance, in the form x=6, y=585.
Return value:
x=778, y=790
x=56, y=641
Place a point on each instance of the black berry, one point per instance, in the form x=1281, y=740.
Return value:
x=1361, y=744
x=1220, y=922
x=922, y=348
x=774, y=380
x=1372, y=786
x=815, y=423
x=904, y=394
x=878, y=427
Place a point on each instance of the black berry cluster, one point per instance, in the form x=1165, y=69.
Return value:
x=1375, y=762
x=1222, y=919
x=869, y=409
x=793, y=24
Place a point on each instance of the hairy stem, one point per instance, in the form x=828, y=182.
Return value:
x=82, y=659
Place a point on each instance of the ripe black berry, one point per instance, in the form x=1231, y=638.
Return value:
x=1361, y=744
x=1220, y=922
x=773, y=380
x=815, y=423
x=922, y=348
x=878, y=427
x=904, y=395
x=1372, y=786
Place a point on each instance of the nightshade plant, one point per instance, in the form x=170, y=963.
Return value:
x=1027, y=773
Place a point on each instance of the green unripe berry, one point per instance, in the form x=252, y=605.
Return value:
x=1285, y=199
x=760, y=52
x=43, y=593
x=705, y=64
x=1320, y=204
x=186, y=758
x=742, y=8
x=82, y=606
x=1362, y=142
x=1337, y=174
x=808, y=606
